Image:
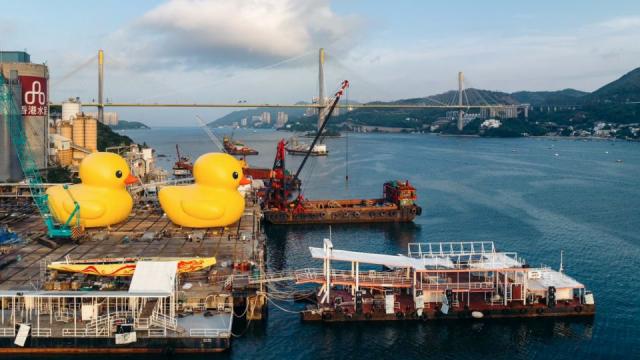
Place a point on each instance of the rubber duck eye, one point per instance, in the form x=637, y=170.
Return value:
x=235, y=175
x=118, y=174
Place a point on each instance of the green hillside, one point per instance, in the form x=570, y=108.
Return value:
x=625, y=89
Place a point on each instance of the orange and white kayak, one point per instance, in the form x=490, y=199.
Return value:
x=126, y=266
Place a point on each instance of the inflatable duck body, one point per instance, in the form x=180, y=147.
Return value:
x=213, y=200
x=101, y=195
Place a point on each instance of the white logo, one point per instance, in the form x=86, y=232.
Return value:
x=34, y=94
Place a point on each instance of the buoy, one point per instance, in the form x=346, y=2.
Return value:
x=477, y=314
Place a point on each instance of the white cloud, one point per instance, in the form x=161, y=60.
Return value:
x=622, y=23
x=199, y=33
x=583, y=57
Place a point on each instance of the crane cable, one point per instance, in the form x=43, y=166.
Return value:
x=346, y=152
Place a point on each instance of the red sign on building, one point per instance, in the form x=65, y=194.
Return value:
x=34, y=96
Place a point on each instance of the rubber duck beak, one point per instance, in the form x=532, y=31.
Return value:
x=245, y=181
x=131, y=180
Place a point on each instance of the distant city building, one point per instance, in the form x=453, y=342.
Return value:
x=110, y=117
x=266, y=117
x=282, y=119
x=505, y=112
x=243, y=122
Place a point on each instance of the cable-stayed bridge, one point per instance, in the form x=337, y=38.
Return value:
x=462, y=100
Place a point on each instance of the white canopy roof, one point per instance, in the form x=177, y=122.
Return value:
x=154, y=277
x=550, y=277
x=380, y=259
x=486, y=261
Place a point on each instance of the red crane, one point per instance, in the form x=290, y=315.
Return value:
x=278, y=193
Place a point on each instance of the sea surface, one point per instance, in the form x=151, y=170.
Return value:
x=534, y=196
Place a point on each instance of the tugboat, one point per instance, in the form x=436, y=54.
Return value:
x=183, y=167
x=295, y=148
x=233, y=147
x=396, y=205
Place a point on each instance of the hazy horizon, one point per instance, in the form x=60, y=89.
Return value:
x=185, y=51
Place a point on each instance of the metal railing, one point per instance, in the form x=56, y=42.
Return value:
x=381, y=278
x=450, y=248
x=7, y=332
x=456, y=286
x=157, y=333
x=41, y=332
x=141, y=323
x=164, y=321
x=209, y=333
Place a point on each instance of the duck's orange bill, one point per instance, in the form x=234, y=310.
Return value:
x=131, y=180
x=245, y=181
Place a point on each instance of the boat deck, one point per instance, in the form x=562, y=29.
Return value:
x=207, y=297
x=373, y=308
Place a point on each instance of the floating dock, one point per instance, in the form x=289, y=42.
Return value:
x=44, y=311
x=461, y=280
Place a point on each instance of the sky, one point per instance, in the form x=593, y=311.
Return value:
x=221, y=51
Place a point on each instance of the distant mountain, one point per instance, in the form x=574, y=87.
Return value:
x=483, y=97
x=625, y=89
x=567, y=107
x=129, y=125
x=560, y=97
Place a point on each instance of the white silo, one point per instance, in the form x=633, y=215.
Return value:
x=70, y=109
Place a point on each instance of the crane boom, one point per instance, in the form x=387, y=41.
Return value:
x=210, y=133
x=326, y=112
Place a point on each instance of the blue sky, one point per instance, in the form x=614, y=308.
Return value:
x=224, y=51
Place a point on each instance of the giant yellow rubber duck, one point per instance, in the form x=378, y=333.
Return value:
x=101, y=195
x=214, y=200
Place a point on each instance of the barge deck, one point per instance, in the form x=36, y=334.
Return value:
x=195, y=314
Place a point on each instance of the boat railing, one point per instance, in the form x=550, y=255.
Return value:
x=67, y=332
x=366, y=277
x=157, y=332
x=7, y=332
x=164, y=321
x=457, y=286
x=41, y=332
x=209, y=333
x=142, y=323
x=450, y=248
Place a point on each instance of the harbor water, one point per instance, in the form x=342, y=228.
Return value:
x=534, y=196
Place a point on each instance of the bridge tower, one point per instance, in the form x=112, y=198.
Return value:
x=320, y=86
x=460, y=112
x=100, y=85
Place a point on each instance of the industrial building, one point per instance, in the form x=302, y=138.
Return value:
x=73, y=136
x=110, y=117
x=29, y=83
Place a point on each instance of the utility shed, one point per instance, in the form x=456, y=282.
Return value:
x=563, y=283
x=154, y=277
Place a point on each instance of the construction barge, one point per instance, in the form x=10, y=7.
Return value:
x=396, y=205
x=234, y=147
x=282, y=207
x=176, y=299
x=440, y=281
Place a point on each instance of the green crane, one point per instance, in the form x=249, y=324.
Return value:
x=12, y=114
